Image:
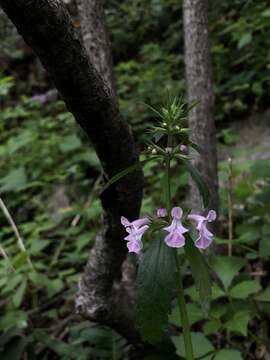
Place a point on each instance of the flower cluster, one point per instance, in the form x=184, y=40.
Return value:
x=175, y=230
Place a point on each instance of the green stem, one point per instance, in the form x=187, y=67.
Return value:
x=179, y=283
x=183, y=311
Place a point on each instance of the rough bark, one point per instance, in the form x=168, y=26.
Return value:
x=96, y=39
x=98, y=47
x=200, y=89
x=46, y=26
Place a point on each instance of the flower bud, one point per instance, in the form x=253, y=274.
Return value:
x=161, y=212
x=164, y=124
x=183, y=148
x=154, y=151
x=168, y=150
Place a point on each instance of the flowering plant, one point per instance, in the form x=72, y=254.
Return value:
x=159, y=271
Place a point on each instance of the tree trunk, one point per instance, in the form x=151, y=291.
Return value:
x=47, y=27
x=96, y=38
x=98, y=47
x=200, y=89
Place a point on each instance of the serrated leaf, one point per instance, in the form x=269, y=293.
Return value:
x=244, y=289
x=201, y=345
x=226, y=268
x=226, y=354
x=239, y=322
x=156, y=283
x=200, y=273
x=199, y=181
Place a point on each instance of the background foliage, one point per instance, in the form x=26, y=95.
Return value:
x=49, y=178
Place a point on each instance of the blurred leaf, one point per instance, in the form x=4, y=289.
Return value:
x=200, y=273
x=125, y=172
x=212, y=326
x=19, y=294
x=199, y=181
x=244, y=289
x=230, y=354
x=264, y=295
x=15, y=180
x=266, y=13
x=70, y=143
x=239, y=322
x=195, y=314
x=13, y=319
x=244, y=40
x=14, y=349
x=59, y=347
x=201, y=345
x=226, y=268
x=156, y=282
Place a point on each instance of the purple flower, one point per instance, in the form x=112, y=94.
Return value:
x=161, y=212
x=135, y=229
x=41, y=98
x=205, y=236
x=175, y=238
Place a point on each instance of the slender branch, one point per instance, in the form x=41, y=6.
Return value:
x=15, y=230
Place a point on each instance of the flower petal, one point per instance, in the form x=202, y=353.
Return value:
x=175, y=240
x=177, y=212
x=203, y=242
x=134, y=246
x=212, y=215
x=140, y=222
x=124, y=221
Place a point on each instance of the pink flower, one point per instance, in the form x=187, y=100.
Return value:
x=135, y=229
x=161, y=212
x=205, y=236
x=175, y=238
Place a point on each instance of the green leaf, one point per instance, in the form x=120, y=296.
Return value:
x=244, y=40
x=263, y=296
x=244, y=289
x=199, y=181
x=226, y=268
x=14, y=349
x=70, y=143
x=239, y=322
x=20, y=260
x=58, y=346
x=212, y=326
x=19, y=294
x=195, y=314
x=201, y=345
x=156, y=284
x=125, y=172
x=200, y=273
x=226, y=354
x=15, y=180
x=266, y=13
